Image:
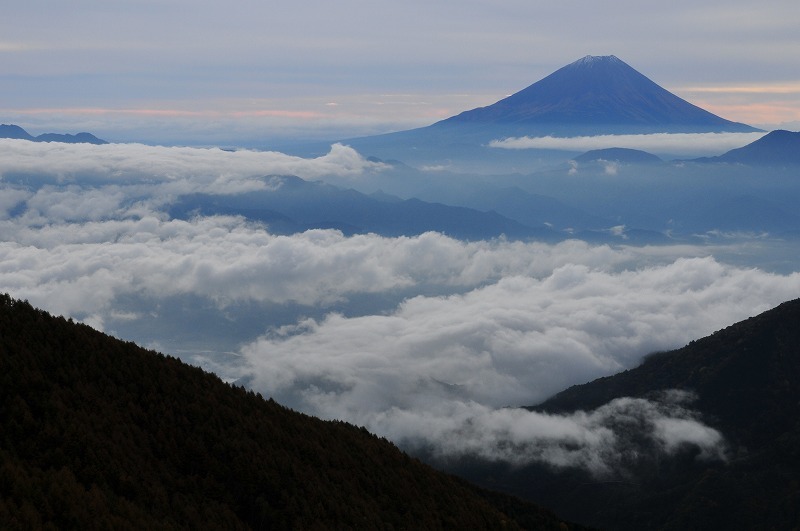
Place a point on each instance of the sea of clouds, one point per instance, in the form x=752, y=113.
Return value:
x=467, y=332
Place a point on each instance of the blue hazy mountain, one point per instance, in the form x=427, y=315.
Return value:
x=777, y=148
x=596, y=95
x=533, y=210
x=79, y=138
x=292, y=204
x=624, y=155
x=15, y=131
x=592, y=96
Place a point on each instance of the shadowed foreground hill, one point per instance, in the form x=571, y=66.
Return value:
x=747, y=382
x=99, y=433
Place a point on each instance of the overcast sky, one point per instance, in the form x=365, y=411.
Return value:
x=180, y=71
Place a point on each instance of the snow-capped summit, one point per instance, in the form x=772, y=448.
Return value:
x=591, y=60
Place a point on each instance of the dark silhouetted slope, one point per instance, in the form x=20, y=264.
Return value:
x=747, y=382
x=777, y=148
x=746, y=376
x=97, y=433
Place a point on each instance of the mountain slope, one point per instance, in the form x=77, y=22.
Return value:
x=776, y=148
x=292, y=204
x=98, y=433
x=15, y=131
x=747, y=382
x=603, y=93
x=747, y=376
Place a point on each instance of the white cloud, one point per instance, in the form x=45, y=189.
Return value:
x=609, y=440
x=515, y=341
x=228, y=260
x=438, y=369
x=185, y=169
x=610, y=167
x=659, y=143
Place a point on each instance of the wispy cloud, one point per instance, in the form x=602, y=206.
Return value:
x=19, y=46
x=608, y=441
x=185, y=169
x=670, y=143
x=771, y=88
x=171, y=113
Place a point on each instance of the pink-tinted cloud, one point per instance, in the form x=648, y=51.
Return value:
x=171, y=113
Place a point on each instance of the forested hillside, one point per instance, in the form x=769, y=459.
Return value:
x=101, y=434
x=746, y=380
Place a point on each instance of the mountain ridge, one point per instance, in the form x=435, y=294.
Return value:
x=745, y=380
x=293, y=205
x=776, y=148
x=17, y=132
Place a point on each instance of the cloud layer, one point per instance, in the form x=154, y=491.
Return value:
x=515, y=341
x=660, y=143
x=465, y=329
x=228, y=260
x=185, y=169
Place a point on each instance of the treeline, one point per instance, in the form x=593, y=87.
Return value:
x=98, y=433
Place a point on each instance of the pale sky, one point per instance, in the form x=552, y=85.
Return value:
x=252, y=72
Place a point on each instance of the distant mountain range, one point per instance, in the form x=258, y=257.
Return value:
x=15, y=131
x=747, y=382
x=292, y=204
x=473, y=210
x=777, y=148
x=97, y=433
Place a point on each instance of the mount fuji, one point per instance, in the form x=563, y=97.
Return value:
x=595, y=95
